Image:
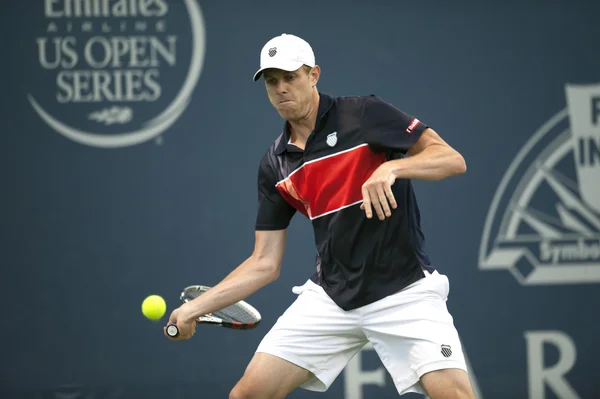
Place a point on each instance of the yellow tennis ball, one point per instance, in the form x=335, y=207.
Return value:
x=154, y=307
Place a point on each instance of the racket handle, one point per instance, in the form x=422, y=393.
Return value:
x=172, y=330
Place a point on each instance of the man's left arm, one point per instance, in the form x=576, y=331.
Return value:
x=430, y=159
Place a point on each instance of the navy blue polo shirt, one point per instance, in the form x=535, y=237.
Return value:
x=359, y=260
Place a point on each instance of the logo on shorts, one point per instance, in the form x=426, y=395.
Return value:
x=115, y=74
x=544, y=221
x=446, y=350
x=332, y=139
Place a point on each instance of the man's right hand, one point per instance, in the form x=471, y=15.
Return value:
x=186, y=328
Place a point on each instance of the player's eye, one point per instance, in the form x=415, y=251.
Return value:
x=290, y=77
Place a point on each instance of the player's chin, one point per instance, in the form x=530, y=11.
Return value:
x=286, y=114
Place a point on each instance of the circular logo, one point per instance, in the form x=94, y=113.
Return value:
x=116, y=73
x=544, y=222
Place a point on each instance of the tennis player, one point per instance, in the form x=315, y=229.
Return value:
x=346, y=163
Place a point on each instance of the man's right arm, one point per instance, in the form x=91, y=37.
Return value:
x=260, y=269
x=263, y=266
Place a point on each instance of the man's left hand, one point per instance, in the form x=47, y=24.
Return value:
x=377, y=193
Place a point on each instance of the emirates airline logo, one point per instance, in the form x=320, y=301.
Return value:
x=119, y=72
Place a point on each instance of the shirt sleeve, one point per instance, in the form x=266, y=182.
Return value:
x=387, y=128
x=274, y=212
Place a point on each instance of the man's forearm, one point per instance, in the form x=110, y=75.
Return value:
x=435, y=162
x=245, y=280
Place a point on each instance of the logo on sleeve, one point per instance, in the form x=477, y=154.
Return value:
x=415, y=122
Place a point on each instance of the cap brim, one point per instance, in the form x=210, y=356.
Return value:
x=285, y=66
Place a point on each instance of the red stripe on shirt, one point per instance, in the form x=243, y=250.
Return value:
x=331, y=183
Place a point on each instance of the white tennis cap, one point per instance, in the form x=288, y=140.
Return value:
x=286, y=52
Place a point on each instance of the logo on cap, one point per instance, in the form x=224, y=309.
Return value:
x=272, y=51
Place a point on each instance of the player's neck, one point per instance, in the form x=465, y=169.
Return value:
x=301, y=129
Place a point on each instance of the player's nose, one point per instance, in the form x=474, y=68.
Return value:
x=281, y=87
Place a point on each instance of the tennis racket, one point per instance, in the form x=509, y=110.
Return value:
x=239, y=316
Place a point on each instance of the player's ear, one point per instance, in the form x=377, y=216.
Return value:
x=315, y=73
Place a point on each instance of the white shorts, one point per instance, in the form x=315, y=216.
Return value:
x=412, y=332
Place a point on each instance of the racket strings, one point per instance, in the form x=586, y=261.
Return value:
x=235, y=313
x=238, y=312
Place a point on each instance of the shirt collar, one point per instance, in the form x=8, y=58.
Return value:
x=325, y=103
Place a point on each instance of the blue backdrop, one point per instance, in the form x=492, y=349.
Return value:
x=131, y=136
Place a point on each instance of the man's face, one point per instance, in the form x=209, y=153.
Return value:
x=290, y=92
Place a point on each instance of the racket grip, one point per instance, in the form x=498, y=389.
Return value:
x=172, y=330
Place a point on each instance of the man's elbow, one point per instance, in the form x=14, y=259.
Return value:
x=270, y=270
x=459, y=164
x=273, y=274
